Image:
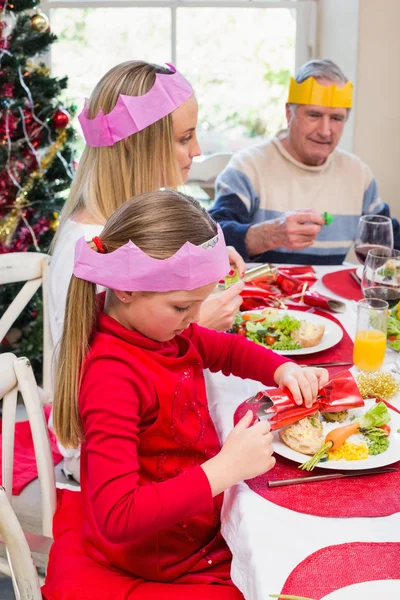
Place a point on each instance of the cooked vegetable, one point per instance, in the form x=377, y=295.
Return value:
x=379, y=446
x=370, y=425
x=349, y=451
x=338, y=436
x=337, y=417
x=386, y=429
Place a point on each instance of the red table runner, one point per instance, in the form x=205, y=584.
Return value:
x=336, y=567
x=372, y=496
x=25, y=469
x=343, y=284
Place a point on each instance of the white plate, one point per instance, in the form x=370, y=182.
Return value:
x=359, y=272
x=332, y=334
x=368, y=590
x=391, y=455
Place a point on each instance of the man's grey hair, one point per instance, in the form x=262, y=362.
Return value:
x=319, y=69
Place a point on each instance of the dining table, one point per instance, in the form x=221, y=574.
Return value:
x=287, y=543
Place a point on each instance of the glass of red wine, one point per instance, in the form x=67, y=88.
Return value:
x=373, y=232
x=381, y=275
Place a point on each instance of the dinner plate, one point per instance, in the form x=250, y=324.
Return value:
x=332, y=335
x=368, y=590
x=391, y=455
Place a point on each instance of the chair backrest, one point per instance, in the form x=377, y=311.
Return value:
x=33, y=268
x=17, y=374
x=205, y=170
x=23, y=573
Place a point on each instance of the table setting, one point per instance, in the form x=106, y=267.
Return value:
x=330, y=532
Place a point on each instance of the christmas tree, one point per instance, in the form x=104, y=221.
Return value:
x=36, y=152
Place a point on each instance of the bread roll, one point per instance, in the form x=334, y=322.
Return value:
x=309, y=334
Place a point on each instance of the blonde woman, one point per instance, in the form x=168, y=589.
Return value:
x=140, y=129
x=110, y=172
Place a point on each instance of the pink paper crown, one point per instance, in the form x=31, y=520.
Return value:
x=132, y=270
x=134, y=113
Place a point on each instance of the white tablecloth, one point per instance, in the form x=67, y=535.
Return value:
x=266, y=540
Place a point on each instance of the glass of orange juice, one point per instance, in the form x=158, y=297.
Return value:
x=370, y=341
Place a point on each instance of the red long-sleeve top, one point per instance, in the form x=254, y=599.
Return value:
x=148, y=504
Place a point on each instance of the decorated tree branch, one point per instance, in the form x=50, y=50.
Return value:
x=36, y=152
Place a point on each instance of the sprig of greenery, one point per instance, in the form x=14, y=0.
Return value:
x=318, y=456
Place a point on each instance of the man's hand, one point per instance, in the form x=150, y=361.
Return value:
x=293, y=230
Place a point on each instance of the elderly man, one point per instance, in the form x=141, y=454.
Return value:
x=270, y=198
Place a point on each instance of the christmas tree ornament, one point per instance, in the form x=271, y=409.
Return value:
x=40, y=22
x=60, y=119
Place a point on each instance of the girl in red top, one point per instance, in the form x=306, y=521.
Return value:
x=147, y=521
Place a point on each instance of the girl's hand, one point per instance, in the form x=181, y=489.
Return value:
x=218, y=311
x=246, y=453
x=302, y=383
x=236, y=261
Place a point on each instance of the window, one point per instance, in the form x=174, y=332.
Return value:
x=238, y=54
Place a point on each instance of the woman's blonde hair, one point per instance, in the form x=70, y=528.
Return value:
x=109, y=175
x=159, y=223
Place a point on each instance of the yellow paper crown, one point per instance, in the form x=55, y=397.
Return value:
x=312, y=92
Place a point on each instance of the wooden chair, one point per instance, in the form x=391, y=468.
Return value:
x=33, y=268
x=23, y=572
x=17, y=376
x=205, y=170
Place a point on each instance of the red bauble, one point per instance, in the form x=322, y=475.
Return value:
x=60, y=119
x=7, y=90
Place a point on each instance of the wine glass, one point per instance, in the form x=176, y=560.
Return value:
x=381, y=275
x=373, y=231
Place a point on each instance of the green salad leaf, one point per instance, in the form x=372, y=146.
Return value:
x=376, y=416
x=280, y=329
x=393, y=327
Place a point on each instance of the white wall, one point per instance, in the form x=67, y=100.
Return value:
x=377, y=110
x=362, y=36
x=337, y=39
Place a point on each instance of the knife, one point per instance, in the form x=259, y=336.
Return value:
x=312, y=478
x=355, y=277
x=328, y=364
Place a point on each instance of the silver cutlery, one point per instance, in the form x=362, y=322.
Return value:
x=328, y=476
x=355, y=277
x=328, y=364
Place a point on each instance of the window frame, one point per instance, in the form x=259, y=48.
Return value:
x=306, y=17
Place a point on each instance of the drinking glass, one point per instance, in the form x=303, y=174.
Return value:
x=373, y=231
x=381, y=275
x=370, y=342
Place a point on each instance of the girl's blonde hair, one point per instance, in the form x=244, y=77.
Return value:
x=159, y=223
x=109, y=175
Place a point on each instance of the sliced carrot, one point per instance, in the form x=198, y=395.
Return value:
x=338, y=436
x=249, y=317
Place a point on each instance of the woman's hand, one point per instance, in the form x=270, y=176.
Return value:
x=218, y=311
x=236, y=261
x=246, y=453
x=302, y=383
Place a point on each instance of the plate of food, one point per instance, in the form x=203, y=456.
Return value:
x=288, y=332
x=393, y=329
x=368, y=590
x=357, y=439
